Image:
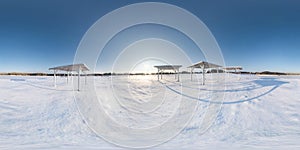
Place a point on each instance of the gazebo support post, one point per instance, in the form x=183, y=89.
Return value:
x=67, y=76
x=54, y=72
x=203, y=76
x=178, y=75
x=157, y=74
x=72, y=80
x=192, y=71
x=85, y=76
x=78, y=78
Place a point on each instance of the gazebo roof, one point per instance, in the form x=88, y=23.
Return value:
x=233, y=68
x=204, y=64
x=168, y=67
x=73, y=67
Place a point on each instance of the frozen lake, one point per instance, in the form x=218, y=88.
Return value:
x=250, y=112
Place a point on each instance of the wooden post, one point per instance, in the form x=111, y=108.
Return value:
x=85, y=78
x=67, y=76
x=203, y=76
x=72, y=80
x=178, y=75
x=78, y=78
x=157, y=74
x=192, y=71
x=54, y=77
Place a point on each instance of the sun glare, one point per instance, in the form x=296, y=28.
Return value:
x=146, y=66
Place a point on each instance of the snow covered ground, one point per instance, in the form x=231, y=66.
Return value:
x=252, y=112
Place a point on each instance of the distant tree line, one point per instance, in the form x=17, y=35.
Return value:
x=116, y=74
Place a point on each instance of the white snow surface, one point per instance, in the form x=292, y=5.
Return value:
x=257, y=112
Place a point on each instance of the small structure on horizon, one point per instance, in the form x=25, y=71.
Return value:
x=203, y=65
x=235, y=68
x=162, y=68
x=69, y=69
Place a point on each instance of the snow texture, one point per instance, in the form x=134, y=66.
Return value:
x=257, y=112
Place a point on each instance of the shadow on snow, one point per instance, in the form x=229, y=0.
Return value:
x=260, y=83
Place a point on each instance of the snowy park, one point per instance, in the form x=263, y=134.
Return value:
x=140, y=74
x=256, y=112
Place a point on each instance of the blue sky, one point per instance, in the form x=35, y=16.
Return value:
x=258, y=35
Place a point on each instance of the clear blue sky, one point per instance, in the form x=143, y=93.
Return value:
x=256, y=34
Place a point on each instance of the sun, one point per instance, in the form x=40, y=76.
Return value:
x=147, y=68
